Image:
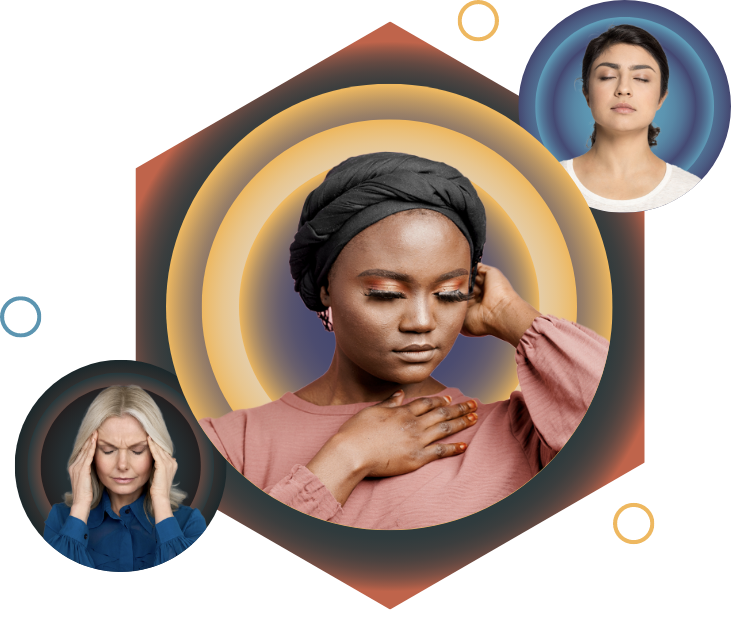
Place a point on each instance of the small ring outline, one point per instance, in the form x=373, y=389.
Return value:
x=467, y=6
x=15, y=333
x=624, y=538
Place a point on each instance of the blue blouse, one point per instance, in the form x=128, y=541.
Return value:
x=125, y=542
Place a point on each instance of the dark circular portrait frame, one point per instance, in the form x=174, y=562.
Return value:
x=56, y=416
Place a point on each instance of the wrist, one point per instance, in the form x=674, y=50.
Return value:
x=161, y=507
x=159, y=500
x=514, y=319
x=81, y=511
x=349, y=457
x=339, y=466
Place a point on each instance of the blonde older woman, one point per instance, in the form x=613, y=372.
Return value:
x=123, y=512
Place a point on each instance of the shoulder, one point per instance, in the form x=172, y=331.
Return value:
x=228, y=433
x=234, y=423
x=187, y=516
x=682, y=178
x=238, y=416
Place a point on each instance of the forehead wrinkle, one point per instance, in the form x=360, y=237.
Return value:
x=142, y=442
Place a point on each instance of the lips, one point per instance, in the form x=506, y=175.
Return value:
x=623, y=107
x=416, y=353
x=123, y=480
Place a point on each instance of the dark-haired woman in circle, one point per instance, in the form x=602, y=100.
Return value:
x=388, y=254
x=625, y=77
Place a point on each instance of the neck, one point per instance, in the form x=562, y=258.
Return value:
x=621, y=154
x=345, y=383
x=120, y=501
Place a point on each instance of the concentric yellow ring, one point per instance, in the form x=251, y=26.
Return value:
x=299, y=144
x=269, y=188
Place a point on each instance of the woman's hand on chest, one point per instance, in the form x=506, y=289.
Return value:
x=391, y=439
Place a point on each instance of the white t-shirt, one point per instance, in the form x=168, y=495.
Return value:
x=674, y=184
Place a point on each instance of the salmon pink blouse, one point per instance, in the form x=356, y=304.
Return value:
x=559, y=367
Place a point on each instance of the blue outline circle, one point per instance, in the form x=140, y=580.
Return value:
x=697, y=143
x=15, y=333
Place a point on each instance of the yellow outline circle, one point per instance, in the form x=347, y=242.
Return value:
x=624, y=538
x=467, y=6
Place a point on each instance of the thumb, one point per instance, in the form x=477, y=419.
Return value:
x=394, y=400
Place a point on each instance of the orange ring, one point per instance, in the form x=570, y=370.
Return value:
x=463, y=10
x=621, y=536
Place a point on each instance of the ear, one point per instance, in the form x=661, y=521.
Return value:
x=325, y=296
x=662, y=100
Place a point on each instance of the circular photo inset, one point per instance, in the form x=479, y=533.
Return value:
x=631, y=99
x=624, y=80
x=120, y=473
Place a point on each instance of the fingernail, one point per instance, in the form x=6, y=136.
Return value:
x=398, y=393
x=461, y=446
x=472, y=416
x=472, y=404
x=448, y=398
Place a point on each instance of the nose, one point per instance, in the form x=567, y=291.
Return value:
x=418, y=316
x=123, y=460
x=624, y=85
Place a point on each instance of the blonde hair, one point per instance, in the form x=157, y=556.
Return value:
x=119, y=401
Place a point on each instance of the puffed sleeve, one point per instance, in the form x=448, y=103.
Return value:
x=304, y=491
x=176, y=534
x=68, y=535
x=560, y=364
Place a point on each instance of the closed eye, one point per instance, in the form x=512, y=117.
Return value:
x=385, y=295
x=108, y=452
x=138, y=453
x=454, y=296
x=606, y=78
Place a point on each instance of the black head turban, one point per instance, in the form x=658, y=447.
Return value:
x=365, y=189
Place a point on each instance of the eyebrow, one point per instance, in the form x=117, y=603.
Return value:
x=615, y=66
x=389, y=274
x=142, y=442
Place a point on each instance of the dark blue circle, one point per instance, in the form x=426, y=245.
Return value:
x=694, y=119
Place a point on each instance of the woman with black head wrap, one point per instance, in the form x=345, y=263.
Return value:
x=388, y=254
